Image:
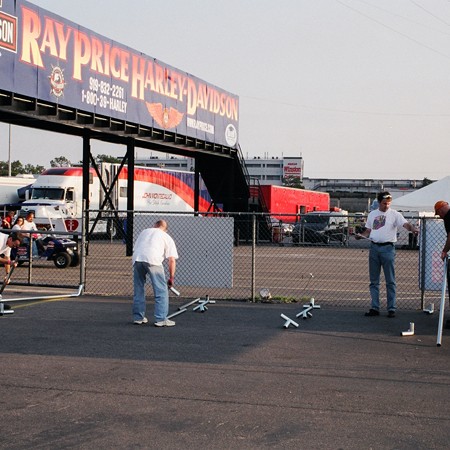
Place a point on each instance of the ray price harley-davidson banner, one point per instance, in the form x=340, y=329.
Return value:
x=47, y=57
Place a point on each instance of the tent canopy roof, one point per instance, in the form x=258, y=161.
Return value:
x=423, y=199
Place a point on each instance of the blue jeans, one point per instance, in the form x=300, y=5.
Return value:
x=382, y=257
x=160, y=291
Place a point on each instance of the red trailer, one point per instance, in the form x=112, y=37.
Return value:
x=280, y=200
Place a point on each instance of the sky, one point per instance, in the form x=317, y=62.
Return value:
x=358, y=88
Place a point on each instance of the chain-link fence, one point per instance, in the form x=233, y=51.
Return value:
x=46, y=260
x=256, y=257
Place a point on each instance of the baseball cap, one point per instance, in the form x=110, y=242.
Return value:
x=438, y=205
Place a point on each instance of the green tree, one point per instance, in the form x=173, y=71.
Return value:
x=293, y=182
x=29, y=168
x=60, y=161
x=108, y=159
x=3, y=168
x=16, y=168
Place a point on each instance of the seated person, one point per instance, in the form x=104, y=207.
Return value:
x=18, y=224
x=29, y=225
x=7, y=242
x=8, y=220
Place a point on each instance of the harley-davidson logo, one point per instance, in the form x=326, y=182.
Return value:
x=231, y=135
x=8, y=32
x=164, y=117
x=57, y=82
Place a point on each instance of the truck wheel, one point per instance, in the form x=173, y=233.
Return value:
x=75, y=260
x=62, y=260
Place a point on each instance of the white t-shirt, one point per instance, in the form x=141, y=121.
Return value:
x=383, y=225
x=154, y=245
x=29, y=226
x=4, y=249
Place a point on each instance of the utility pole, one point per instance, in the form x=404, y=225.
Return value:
x=9, y=152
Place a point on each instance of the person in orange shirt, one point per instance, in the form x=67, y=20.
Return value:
x=442, y=209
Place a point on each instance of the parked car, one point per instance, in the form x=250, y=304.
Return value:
x=321, y=227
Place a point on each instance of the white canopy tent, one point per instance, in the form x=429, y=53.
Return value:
x=423, y=199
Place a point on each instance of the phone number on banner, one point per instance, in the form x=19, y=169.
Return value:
x=105, y=95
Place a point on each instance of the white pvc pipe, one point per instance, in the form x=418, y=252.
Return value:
x=410, y=332
x=442, y=307
x=288, y=321
x=176, y=313
x=46, y=297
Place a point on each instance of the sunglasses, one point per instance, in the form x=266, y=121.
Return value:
x=387, y=196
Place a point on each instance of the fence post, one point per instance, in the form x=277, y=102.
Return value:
x=82, y=251
x=423, y=242
x=253, y=283
x=30, y=256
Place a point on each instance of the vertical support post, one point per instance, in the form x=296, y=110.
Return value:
x=86, y=175
x=253, y=293
x=423, y=242
x=30, y=254
x=130, y=198
x=9, y=152
x=196, y=190
x=82, y=251
x=230, y=197
x=442, y=307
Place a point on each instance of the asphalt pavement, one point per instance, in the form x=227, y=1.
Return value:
x=76, y=373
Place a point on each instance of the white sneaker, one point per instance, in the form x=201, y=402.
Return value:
x=165, y=323
x=141, y=322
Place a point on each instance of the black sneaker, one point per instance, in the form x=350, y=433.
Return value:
x=372, y=312
x=391, y=314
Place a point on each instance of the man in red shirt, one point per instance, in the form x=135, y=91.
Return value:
x=7, y=221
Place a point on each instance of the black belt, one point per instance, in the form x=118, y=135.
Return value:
x=383, y=243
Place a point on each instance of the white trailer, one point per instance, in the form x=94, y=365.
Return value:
x=57, y=193
x=9, y=187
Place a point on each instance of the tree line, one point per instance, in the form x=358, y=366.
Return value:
x=17, y=168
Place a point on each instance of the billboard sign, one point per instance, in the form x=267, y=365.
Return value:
x=47, y=57
x=293, y=168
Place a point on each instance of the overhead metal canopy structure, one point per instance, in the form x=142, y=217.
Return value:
x=20, y=110
x=228, y=187
x=33, y=113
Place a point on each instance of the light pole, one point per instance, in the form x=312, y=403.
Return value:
x=9, y=152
